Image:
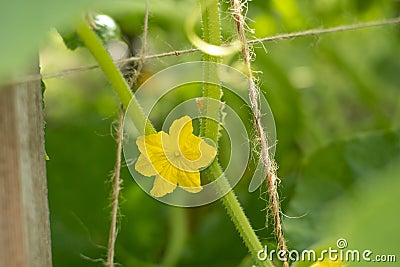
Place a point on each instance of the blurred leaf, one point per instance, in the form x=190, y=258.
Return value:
x=366, y=219
x=369, y=219
x=226, y=250
x=77, y=189
x=333, y=172
x=25, y=25
x=145, y=221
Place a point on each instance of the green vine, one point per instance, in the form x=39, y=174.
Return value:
x=212, y=35
x=211, y=32
x=94, y=45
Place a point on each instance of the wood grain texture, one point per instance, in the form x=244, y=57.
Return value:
x=24, y=214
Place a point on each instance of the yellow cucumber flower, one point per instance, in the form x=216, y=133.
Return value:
x=174, y=158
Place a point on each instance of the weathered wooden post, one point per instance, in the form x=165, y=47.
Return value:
x=24, y=213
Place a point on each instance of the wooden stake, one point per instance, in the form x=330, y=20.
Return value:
x=24, y=213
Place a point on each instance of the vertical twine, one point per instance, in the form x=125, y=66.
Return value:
x=269, y=165
x=115, y=193
x=116, y=177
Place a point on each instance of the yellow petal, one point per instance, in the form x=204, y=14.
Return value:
x=207, y=155
x=151, y=148
x=190, y=181
x=146, y=143
x=144, y=166
x=197, y=153
x=161, y=187
x=190, y=147
x=175, y=159
x=170, y=173
x=181, y=129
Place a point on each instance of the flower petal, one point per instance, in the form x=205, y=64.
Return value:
x=189, y=181
x=208, y=154
x=151, y=147
x=170, y=173
x=152, y=144
x=161, y=187
x=199, y=154
x=181, y=129
x=149, y=142
x=144, y=166
x=174, y=158
x=191, y=147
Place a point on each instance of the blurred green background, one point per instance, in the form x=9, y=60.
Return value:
x=336, y=103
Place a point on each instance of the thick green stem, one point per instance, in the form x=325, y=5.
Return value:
x=210, y=127
x=211, y=32
x=93, y=43
x=237, y=214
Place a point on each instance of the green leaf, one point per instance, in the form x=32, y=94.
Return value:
x=25, y=25
x=369, y=220
x=366, y=220
x=334, y=172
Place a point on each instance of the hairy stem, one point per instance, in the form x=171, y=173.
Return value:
x=237, y=215
x=211, y=32
x=209, y=129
